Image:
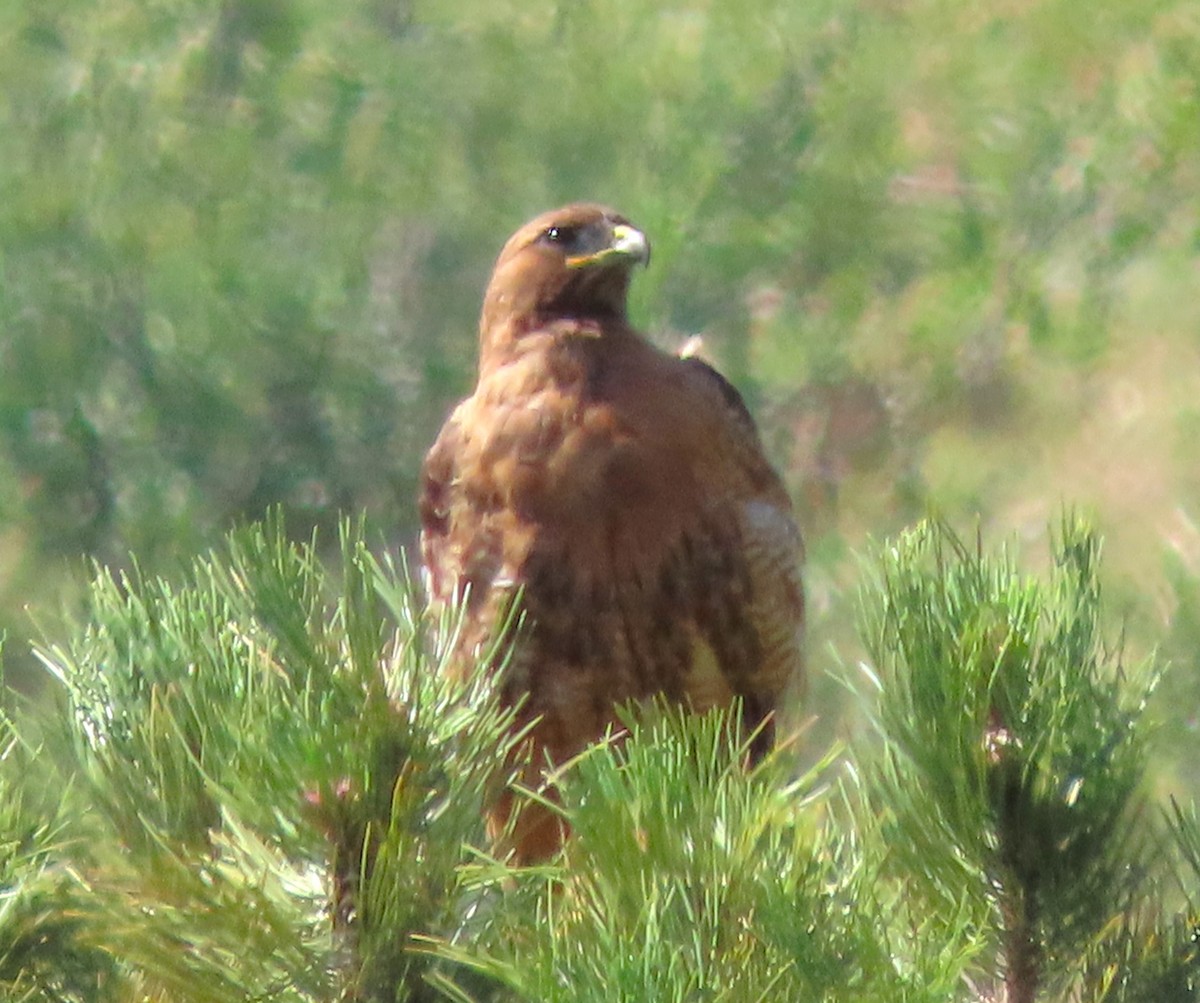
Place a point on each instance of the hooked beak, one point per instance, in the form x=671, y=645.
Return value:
x=627, y=243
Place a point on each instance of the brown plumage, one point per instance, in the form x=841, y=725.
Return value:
x=624, y=490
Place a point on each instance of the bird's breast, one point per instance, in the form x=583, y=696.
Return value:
x=562, y=451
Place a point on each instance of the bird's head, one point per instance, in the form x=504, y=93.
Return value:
x=567, y=264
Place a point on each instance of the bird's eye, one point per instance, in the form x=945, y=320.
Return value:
x=559, y=235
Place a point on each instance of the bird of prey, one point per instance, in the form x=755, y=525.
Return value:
x=623, y=493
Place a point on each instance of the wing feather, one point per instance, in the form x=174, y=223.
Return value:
x=435, y=505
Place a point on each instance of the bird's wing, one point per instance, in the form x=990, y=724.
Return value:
x=435, y=503
x=735, y=405
x=757, y=573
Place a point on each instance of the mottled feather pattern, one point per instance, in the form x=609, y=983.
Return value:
x=624, y=491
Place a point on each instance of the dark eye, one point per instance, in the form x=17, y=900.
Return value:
x=560, y=235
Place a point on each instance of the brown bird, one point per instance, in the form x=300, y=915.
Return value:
x=623, y=492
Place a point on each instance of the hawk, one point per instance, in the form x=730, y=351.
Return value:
x=623, y=493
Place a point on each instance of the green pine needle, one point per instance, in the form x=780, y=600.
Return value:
x=1013, y=758
x=260, y=783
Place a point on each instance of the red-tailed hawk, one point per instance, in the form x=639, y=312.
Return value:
x=623, y=491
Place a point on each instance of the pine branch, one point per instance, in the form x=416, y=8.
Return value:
x=1146, y=959
x=276, y=783
x=45, y=956
x=1013, y=752
x=688, y=877
x=660, y=894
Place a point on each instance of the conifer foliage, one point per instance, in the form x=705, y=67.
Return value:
x=257, y=784
x=1014, y=753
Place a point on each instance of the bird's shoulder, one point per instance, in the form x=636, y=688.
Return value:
x=711, y=379
x=699, y=410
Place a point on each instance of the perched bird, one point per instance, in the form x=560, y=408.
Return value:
x=623, y=493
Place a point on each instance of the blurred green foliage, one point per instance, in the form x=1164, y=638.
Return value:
x=948, y=250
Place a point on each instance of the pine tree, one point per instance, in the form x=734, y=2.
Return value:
x=255, y=784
